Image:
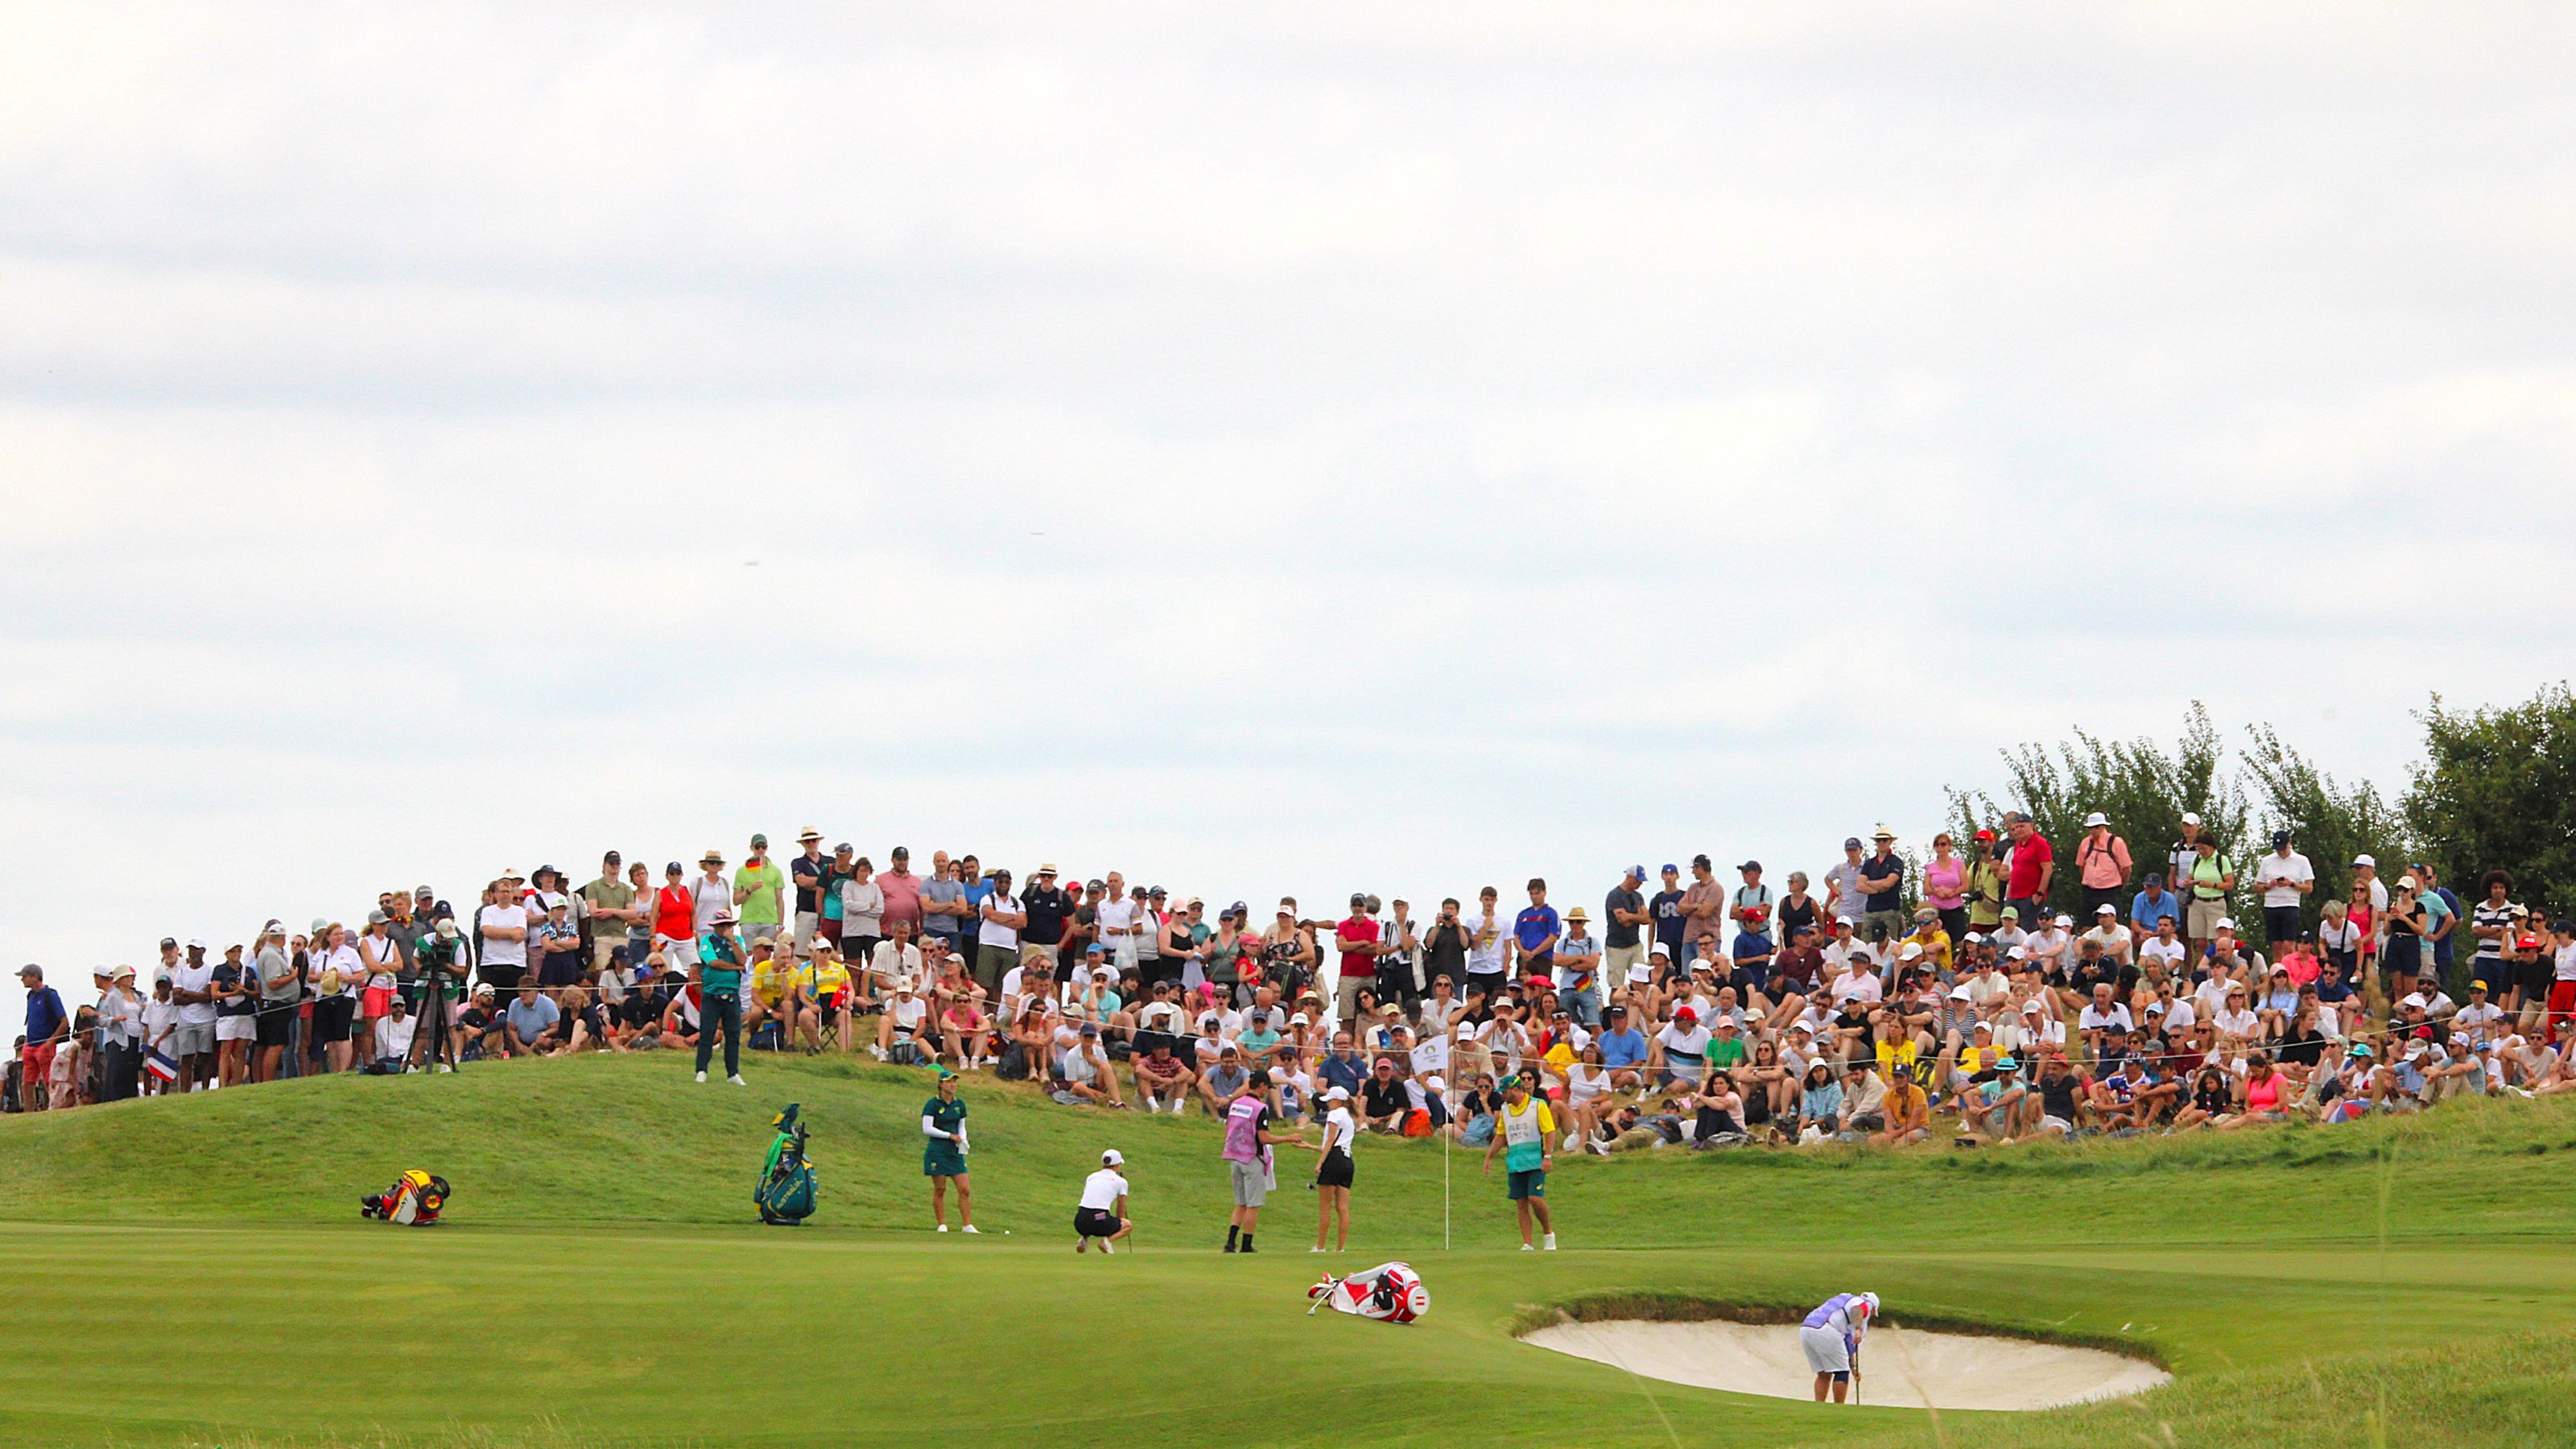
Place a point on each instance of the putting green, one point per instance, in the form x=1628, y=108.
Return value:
x=193, y=1271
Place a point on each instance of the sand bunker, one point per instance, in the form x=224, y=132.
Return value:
x=1900, y=1367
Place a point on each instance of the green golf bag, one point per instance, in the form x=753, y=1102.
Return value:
x=786, y=1190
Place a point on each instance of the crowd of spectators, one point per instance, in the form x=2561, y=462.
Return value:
x=1889, y=999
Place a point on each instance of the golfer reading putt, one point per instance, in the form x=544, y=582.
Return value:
x=1103, y=1213
x=1526, y=1129
x=1831, y=1337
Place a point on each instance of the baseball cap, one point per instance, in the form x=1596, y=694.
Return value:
x=1851, y=842
x=761, y=842
x=2191, y=817
x=1111, y=1158
x=1750, y=865
x=1636, y=872
x=1671, y=869
x=2154, y=879
x=2360, y=860
x=2106, y=909
x=1984, y=835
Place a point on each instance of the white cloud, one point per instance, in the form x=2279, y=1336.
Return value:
x=1400, y=445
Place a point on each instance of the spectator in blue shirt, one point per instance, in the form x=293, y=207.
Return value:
x=1536, y=930
x=2151, y=905
x=1623, y=1050
x=1342, y=1066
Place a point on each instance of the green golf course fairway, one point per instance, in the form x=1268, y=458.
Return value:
x=193, y=1271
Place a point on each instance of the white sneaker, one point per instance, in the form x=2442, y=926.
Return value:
x=737, y=1080
x=1107, y=1249
x=1573, y=1140
x=1179, y=1107
x=878, y=1052
x=1526, y=1248
x=1314, y=1250
x=1550, y=1241
x=970, y=1227
x=943, y=1227
x=702, y=1079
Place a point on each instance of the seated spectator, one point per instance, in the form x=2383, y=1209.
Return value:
x=1383, y=1099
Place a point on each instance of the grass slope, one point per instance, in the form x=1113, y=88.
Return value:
x=601, y=1284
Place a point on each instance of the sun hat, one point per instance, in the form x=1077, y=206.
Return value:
x=2096, y=818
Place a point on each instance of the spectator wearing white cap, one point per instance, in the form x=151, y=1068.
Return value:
x=2102, y=864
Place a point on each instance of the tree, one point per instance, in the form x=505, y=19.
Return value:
x=2329, y=823
x=2494, y=792
x=2140, y=788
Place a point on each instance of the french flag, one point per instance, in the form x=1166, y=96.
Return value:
x=161, y=1067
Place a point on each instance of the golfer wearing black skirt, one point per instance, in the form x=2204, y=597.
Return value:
x=1333, y=1172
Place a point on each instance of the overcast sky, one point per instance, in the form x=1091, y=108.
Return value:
x=1295, y=448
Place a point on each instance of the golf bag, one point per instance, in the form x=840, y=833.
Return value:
x=415, y=1200
x=786, y=1191
x=1389, y=1293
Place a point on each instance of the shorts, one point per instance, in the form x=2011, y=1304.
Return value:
x=1251, y=1183
x=2280, y=923
x=190, y=1039
x=236, y=1028
x=1529, y=1184
x=276, y=1023
x=1335, y=1170
x=2203, y=919
x=1095, y=1222
x=2060, y=1123
x=1826, y=1352
x=376, y=1001
x=760, y=930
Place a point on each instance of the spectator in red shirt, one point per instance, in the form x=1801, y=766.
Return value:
x=1358, y=938
x=2034, y=866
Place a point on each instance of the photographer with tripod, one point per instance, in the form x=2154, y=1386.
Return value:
x=440, y=959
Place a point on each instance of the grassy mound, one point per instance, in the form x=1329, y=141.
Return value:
x=193, y=1271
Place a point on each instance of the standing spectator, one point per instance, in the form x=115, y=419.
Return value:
x=806, y=870
x=1534, y=933
x=608, y=909
x=1670, y=923
x=1357, y=937
x=2492, y=924
x=2180, y=856
x=1399, y=958
x=1578, y=971
x=120, y=1034
x=1489, y=945
x=2212, y=877
x=1750, y=907
x=337, y=975
x=2032, y=868
x=1985, y=884
x=1047, y=909
x=944, y=912
x=2286, y=878
x=1843, y=893
x=997, y=935
x=281, y=990
x=641, y=910
x=48, y=1027
x=1945, y=888
x=902, y=892
x=501, y=935
x=711, y=894
x=2443, y=919
x=236, y=993
x=1882, y=883
x=862, y=912
x=675, y=919
x=192, y=985
x=759, y=893
x=2365, y=876
x=2101, y=865
x=1624, y=918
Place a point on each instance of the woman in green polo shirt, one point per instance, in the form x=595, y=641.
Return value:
x=943, y=1153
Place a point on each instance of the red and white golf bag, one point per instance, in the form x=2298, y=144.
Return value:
x=1389, y=1292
